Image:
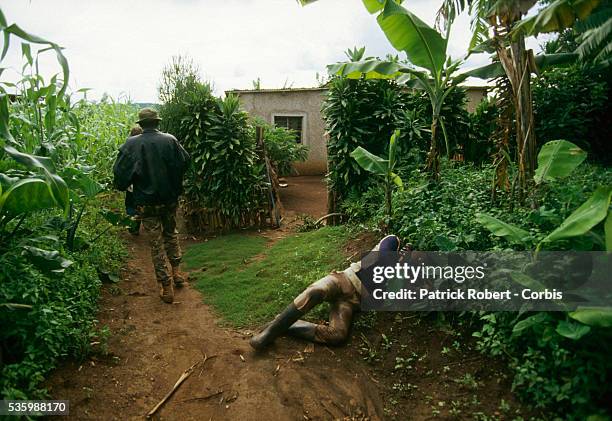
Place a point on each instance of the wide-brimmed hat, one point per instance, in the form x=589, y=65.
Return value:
x=147, y=114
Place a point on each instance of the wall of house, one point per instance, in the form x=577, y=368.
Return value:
x=305, y=103
x=474, y=95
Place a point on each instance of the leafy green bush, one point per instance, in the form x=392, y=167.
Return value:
x=281, y=147
x=572, y=104
x=224, y=186
x=365, y=112
x=358, y=112
x=480, y=146
x=234, y=179
x=55, y=313
x=550, y=370
x=453, y=113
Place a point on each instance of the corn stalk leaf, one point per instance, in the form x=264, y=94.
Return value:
x=58, y=186
x=16, y=30
x=27, y=195
x=6, y=35
x=5, y=132
x=592, y=212
x=557, y=159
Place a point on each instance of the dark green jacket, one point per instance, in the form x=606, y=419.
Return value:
x=154, y=163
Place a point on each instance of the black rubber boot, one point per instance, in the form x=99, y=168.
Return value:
x=277, y=327
x=303, y=330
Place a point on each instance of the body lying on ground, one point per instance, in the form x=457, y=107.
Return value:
x=341, y=289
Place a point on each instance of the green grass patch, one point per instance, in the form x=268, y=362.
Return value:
x=248, y=282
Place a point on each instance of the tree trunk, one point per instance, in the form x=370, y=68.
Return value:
x=433, y=158
x=388, y=206
x=516, y=63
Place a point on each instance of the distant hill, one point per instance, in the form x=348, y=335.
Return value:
x=146, y=105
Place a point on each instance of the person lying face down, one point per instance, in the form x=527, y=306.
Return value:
x=341, y=289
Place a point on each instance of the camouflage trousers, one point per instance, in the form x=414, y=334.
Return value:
x=159, y=224
x=344, y=299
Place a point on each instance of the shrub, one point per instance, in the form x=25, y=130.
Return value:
x=281, y=147
x=61, y=322
x=363, y=112
x=357, y=112
x=572, y=104
x=224, y=186
x=567, y=376
x=480, y=146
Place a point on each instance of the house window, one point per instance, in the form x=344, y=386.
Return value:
x=290, y=122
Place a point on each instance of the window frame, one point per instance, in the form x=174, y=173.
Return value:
x=293, y=114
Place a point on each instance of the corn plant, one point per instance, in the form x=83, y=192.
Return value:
x=33, y=184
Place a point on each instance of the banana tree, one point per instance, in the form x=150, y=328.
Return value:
x=429, y=68
x=510, y=28
x=383, y=168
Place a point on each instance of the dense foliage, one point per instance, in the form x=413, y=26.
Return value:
x=358, y=113
x=225, y=186
x=365, y=112
x=281, y=147
x=480, y=146
x=55, y=244
x=573, y=103
x=550, y=371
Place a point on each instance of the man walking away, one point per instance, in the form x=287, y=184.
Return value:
x=154, y=164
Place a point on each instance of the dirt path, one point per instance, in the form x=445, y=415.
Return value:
x=415, y=369
x=152, y=343
x=305, y=195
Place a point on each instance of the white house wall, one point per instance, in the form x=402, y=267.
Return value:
x=305, y=103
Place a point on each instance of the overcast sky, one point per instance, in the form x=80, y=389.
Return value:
x=120, y=46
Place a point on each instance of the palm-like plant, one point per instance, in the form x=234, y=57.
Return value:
x=429, y=67
x=384, y=168
x=590, y=20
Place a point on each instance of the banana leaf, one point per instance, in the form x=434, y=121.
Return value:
x=557, y=159
x=593, y=316
x=370, y=162
x=592, y=212
x=423, y=45
x=556, y=16
x=502, y=229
